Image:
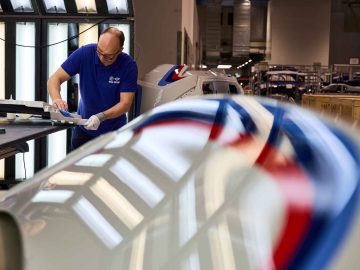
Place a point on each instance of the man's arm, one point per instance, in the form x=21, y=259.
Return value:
x=120, y=108
x=53, y=85
x=115, y=111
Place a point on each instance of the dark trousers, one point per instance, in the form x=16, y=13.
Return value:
x=79, y=137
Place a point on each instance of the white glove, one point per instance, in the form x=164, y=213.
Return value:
x=94, y=121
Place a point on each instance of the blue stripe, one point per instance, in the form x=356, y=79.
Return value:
x=167, y=77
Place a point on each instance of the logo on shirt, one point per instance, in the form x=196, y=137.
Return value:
x=113, y=79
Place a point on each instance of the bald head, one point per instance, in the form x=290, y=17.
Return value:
x=110, y=45
x=114, y=34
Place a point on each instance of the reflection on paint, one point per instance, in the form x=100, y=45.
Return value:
x=138, y=182
x=187, y=212
x=138, y=252
x=97, y=223
x=52, y=196
x=94, y=160
x=120, y=140
x=70, y=178
x=222, y=255
x=191, y=262
x=118, y=204
x=172, y=153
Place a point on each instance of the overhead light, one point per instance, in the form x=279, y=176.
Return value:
x=55, y=6
x=224, y=66
x=22, y=5
x=52, y=196
x=97, y=223
x=117, y=6
x=203, y=66
x=0, y=8
x=250, y=60
x=86, y=6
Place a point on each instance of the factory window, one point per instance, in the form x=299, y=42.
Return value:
x=86, y=6
x=25, y=85
x=117, y=6
x=55, y=6
x=22, y=5
x=59, y=52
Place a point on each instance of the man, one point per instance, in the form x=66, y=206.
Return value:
x=108, y=80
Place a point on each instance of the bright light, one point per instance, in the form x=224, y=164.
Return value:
x=138, y=182
x=250, y=60
x=203, y=66
x=86, y=6
x=117, y=203
x=22, y=5
x=52, y=196
x=68, y=178
x=97, y=223
x=94, y=160
x=117, y=7
x=224, y=66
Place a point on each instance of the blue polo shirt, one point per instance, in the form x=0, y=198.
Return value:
x=100, y=86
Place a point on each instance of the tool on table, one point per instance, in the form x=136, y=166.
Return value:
x=40, y=108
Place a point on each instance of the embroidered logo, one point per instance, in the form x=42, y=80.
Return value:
x=113, y=79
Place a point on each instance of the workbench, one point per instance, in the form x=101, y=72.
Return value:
x=18, y=132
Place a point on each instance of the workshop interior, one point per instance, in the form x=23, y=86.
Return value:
x=240, y=150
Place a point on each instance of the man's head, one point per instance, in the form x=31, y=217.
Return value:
x=110, y=45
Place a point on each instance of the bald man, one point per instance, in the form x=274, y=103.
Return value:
x=108, y=80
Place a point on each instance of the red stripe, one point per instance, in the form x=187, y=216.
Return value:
x=298, y=193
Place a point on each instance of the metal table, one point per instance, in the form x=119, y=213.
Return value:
x=18, y=132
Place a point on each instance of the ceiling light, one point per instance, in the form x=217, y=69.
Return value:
x=224, y=66
x=22, y=5
x=117, y=6
x=55, y=6
x=86, y=6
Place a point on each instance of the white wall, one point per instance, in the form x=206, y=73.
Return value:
x=300, y=31
x=156, y=26
x=190, y=23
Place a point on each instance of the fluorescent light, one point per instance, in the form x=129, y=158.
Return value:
x=22, y=5
x=138, y=251
x=125, y=28
x=117, y=203
x=250, y=60
x=120, y=140
x=67, y=178
x=86, y=6
x=187, y=212
x=224, y=66
x=52, y=196
x=59, y=53
x=95, y=160
x=117, y=6
x=97, y=223
x=138, y=182
x=55, y=6
x=25, y=86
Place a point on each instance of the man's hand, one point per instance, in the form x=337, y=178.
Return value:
x=60, y=104
x=94, y=121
